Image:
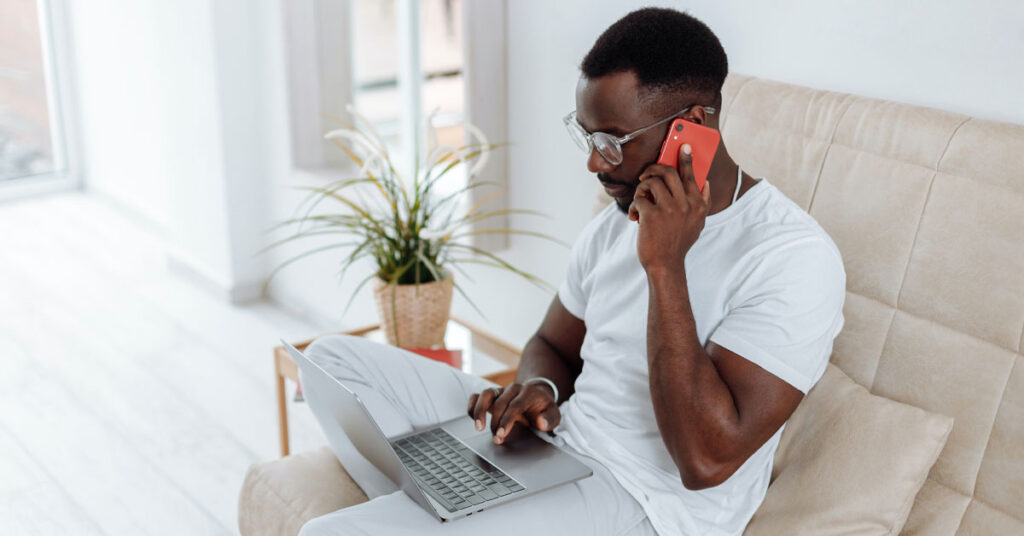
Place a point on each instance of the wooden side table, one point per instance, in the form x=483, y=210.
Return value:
x=469, y=338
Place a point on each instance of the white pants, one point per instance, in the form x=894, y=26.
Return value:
x=404, y=391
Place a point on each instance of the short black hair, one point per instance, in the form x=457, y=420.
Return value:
x=667, y=50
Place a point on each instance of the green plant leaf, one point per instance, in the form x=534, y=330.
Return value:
x=458, y=288
x=355, y=255
x=446, y=199
x=304, y=234
x=434, y=270
x=298, y=257
x=499, y=263
x=462, y=272
x=332, y=219
x=355, y=292
x=509, y=232
x=469, y=220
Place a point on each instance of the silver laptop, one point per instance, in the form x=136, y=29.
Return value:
x=451, y=469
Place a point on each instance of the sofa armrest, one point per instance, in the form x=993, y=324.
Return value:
x=279, y=496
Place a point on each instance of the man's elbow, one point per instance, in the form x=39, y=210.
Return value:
x=698, y=476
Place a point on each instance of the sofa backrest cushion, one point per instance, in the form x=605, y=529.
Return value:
x=927, y=208
x=849, y=462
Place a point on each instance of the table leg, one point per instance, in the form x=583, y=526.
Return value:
x=282, y=411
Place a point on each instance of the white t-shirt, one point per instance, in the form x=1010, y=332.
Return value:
x=765, y=281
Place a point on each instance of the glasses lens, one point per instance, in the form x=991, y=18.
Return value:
x=608, y=147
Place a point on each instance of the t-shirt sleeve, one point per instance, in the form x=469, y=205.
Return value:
x=786, y=313
x=572, y=292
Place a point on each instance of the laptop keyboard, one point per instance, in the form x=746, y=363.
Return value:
x=451, y=472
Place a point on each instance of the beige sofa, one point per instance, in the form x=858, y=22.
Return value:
x=927, y=207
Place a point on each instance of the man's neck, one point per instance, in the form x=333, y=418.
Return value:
x=722, y=177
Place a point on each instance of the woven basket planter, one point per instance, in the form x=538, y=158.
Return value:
x=414, y=316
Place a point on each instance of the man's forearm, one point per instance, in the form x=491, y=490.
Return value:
x=541, y=359
x=694, y=408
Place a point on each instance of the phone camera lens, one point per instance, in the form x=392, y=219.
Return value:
x=679, y=127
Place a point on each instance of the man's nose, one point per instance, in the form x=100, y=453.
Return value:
x=597, y=164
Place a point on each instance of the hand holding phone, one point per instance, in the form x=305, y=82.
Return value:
x=703, y=145
x=671, y=220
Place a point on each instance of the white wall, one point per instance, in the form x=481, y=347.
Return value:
x=184, y=110
x=191, y=99
x=174, y=105
x=962, y=56
x=119, y=86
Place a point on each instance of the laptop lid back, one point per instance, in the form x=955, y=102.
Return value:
x=345, y=413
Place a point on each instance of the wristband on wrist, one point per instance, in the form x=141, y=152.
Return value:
x=545, y=381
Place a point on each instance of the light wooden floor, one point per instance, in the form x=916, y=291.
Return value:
x=130, y=402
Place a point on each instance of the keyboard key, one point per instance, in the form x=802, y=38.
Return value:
x=488, y=494
x=499, y=490
x=451, y=472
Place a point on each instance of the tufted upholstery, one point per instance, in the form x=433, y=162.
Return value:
x=927, y=208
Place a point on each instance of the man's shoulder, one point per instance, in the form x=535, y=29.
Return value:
x=778, y=217
x=780, y=233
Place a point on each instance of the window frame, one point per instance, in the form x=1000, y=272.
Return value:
x=321, y=81
x=55, y=37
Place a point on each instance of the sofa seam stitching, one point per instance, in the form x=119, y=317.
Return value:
x=304, y=508
x=924, y=208
x=906, y=268
x=991, y=506
x=828, y=149
x=988, y=440
x=260, y=480
x=1020, y=338
x=893, y=158
x=917, y=235
x=949, y=142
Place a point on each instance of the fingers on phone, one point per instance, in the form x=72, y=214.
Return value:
x=686, y=164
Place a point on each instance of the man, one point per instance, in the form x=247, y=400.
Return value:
x=688, y=328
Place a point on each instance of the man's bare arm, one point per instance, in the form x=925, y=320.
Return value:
x=554, y=351
x=713, y=407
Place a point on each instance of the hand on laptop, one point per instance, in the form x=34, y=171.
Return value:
x=531, y=405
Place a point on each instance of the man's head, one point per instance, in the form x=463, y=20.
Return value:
x=647, y=66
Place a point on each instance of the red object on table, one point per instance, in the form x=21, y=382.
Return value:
x=451, y=357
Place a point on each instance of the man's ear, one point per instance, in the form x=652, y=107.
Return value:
x=697, y=115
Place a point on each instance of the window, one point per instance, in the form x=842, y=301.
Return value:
x=375, y=49
x=399, y=62
x=32, y=146
x=407, y=67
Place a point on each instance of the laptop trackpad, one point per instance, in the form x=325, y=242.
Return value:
x=526, y=458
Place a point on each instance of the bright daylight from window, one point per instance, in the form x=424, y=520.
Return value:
x=27, y=130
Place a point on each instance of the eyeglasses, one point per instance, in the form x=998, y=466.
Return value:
x=608, y=145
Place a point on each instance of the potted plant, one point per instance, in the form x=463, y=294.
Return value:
x=415, y=234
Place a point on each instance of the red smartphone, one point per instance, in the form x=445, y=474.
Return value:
x=703, y=146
